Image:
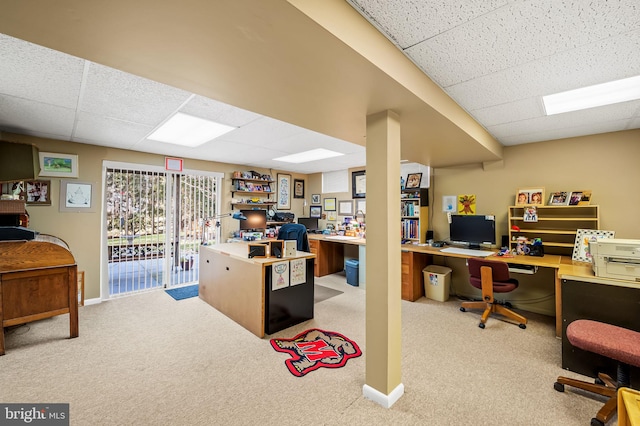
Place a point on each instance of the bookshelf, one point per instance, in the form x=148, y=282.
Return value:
x=252, y=193
x=414, y=215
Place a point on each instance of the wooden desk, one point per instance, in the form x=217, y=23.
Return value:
x=37, y=281
x=243, y=288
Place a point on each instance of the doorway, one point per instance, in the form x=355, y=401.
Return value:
x=155, y=223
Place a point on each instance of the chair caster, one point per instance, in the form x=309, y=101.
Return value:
x=481, y=325
x=596, y=422
x=463, y=310
x=522, y=326
x=558, y=386
x=508, y=305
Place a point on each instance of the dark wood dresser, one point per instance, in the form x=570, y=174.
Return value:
x=38, y=280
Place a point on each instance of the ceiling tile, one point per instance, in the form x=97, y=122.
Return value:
x=43, y=119
x=567, y=132
x=33, y=72
x=219, y=112
x=100, y=130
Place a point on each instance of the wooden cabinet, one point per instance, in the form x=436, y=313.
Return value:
x=37, y=280
x=329, y=257
x=252, y=192
x=555, y=225
x=412, y=279
x=414, y=209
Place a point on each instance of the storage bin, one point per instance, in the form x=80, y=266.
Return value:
x=437, y=281
x=351, y=267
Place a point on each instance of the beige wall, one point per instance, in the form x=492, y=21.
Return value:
x=315, y=186
x=82, y=231
x=607, y=164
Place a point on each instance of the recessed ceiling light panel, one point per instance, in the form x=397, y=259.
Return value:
x=187, y=130
x=305, y=157
x=613, y=92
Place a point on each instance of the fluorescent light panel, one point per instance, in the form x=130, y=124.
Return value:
x=627, y=89
x=305, y=157
x=187, y=130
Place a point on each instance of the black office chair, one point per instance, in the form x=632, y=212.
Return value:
x=295, y=231
x=491, y=277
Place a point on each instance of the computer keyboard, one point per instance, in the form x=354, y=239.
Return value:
x=467, y=252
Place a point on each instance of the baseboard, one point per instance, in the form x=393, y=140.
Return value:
x=92, y=301
x=381, y=399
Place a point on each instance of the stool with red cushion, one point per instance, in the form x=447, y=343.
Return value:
x=617, y=343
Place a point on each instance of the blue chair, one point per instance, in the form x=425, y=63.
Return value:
x=295, y=231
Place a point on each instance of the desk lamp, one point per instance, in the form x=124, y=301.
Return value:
x=207, y=223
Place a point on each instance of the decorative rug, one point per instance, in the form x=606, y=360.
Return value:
x=316, y=348
x=323, y=293
x=183, y=292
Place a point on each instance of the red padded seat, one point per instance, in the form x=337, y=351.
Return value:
x=607, y=340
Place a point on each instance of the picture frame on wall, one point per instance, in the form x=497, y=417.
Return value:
x=315, y=198
x=79, y=197
x=358, y=184
x=284, y=192
x=315, y=211
x=413, y=180
x=58, y=165
x=345, y=208
x=37, y=192
x=330, y=204
x=298, y=188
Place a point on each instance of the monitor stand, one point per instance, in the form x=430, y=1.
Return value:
x=474, y=246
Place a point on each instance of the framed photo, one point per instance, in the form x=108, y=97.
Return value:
x=58, y=165
x=413, y=180
x=266, y=187
x=15, y=190
x=298, y=188
x=315, y=211
x=361, y=206
x=559, y=198
x=530, y=214
x=580, y=198
x=359, y=184
x=345, y=208
x=284, y=192
x=38, y=192
x=581, y=245
x=315, y=198
x=330, y=204
x=533, y=196
x=77, y=197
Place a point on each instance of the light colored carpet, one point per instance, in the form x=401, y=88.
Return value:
x=147, y=360
x=322, y=293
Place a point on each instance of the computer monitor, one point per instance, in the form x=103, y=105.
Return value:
x=310, y=222
x=255, y=220
x=473, y=230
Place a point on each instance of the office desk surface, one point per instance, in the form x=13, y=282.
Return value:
x=240, y=250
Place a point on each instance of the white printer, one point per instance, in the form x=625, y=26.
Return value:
x=616, y=258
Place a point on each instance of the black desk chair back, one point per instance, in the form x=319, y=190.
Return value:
x=491, y=277
x=295, y=231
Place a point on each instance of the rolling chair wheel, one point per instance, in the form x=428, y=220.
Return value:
x=522, y=326
x=596, y=422
x=558, y=386
x=463, y=310
x=508, y=305
x=481, y=325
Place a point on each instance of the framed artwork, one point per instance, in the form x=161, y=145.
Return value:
x=581, y=245
x=315, y=211
x=530, y=196
x=77, y=197
x=466, y=204
x=413, y=180
x=298, y=188
x=361, y=206
x=359, y=184
x=284, y=192
x=37, y=192
x=559, y=198
x=315, y=198
x=331, y=216
x=449, y=203
x=530, y=214
x=14, y=189
x=330, y=204
x=345, y=208
x=58, y=165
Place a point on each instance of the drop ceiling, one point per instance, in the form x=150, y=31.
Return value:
x=291, y=85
